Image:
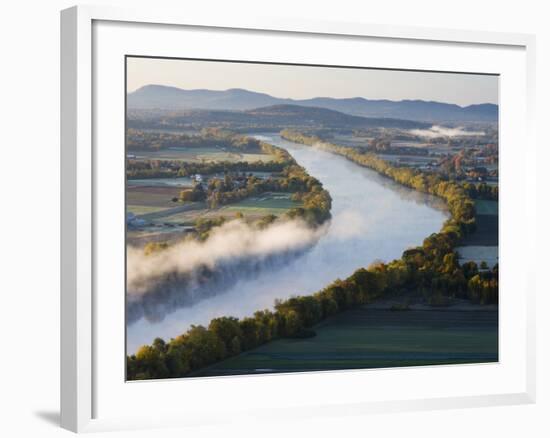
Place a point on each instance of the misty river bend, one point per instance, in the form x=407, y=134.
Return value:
x=373, y=218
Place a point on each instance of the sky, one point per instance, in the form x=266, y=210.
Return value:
x=303, y=82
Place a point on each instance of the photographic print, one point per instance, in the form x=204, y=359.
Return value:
x=298, y=218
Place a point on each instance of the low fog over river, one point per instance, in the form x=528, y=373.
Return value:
x=373, y=218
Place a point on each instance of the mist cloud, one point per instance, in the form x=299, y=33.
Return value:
x=442, y=131
x=233, y=240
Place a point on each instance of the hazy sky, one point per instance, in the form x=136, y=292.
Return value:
x=302, y=82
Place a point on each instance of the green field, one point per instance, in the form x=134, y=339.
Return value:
x=486, y=207
x=478, y=254
x=140, y=210
x=267, y=203
x=201, y=154
x=376, y=338
x=486, y=233
x=252, y=208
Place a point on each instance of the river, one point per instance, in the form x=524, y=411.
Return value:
x=373, y=218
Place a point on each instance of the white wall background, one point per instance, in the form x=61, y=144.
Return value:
x=29, y=215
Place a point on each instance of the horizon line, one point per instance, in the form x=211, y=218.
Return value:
x=310, y=98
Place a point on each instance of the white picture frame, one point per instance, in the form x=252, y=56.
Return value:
x=84, y=381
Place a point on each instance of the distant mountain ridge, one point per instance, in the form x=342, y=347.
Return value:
x=278, y=116
x=237, y=99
